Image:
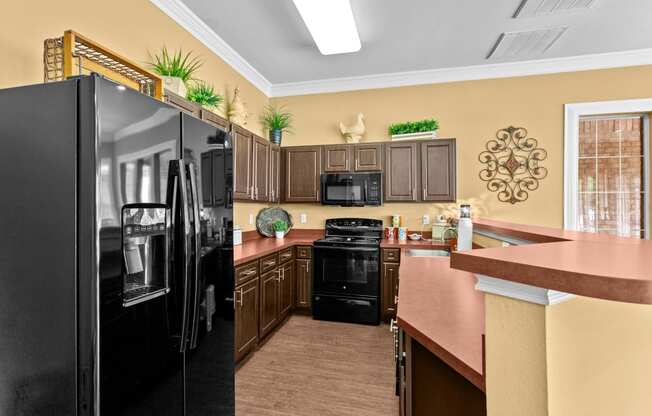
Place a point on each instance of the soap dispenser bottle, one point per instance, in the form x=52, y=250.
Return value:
x=465, y=229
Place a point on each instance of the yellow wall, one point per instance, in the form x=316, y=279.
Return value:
x=599, y=360
x=472, y=112
x=129, y=27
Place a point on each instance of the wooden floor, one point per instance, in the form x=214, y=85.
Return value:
x=320, y=368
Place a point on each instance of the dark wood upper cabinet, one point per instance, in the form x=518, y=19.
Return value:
x=401, y=171
x=218, y=177
x=368, y=157
x=214, y=119
x=337, y=158
x=260, y=164
x=301, y=170
x=242, y=169
x=182, y=104
x=206, y=167
x=274, y=173
x=438, y=170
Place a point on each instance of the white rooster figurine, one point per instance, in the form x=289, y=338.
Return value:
x=353, y=134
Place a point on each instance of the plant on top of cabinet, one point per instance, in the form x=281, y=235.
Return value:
x=411, y=130
x=276, y=121
x=175, y=69
x=204, y=94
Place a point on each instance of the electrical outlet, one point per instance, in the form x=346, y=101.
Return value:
x=505, y=244
x=425, y=220
x=303, y=218
x=251, y=219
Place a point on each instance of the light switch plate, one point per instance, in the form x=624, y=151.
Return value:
x=425, y=220
x=251, y=219
x=303, y=218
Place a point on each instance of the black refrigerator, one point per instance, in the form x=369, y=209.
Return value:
x=116, y=255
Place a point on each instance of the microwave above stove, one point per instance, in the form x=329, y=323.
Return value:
x=352, y=189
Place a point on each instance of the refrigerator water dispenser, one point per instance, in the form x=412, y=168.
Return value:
x=145, y=250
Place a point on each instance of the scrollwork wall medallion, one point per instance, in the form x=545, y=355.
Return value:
x=511, y=164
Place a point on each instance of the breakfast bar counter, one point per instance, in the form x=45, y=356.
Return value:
x=586, y=264
x=440, y=308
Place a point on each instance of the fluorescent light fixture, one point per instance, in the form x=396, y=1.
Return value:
x=331, y=25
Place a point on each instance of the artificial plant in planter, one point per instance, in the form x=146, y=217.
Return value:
x=411, y=130
x=204, y=94
x=280, y=227
x=276, y=120
x=176, y=69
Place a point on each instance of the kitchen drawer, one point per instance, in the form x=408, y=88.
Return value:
x=391, y=255
x=286, y=254
x=246, y=272
x=304, y=252
x=268, y=263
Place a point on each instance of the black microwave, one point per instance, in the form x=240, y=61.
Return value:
x=352, y=189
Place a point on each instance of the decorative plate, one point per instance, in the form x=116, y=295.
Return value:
x=266, y=218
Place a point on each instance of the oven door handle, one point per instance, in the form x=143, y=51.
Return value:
x=359, y=249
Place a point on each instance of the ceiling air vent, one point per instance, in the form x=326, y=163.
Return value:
x=529, y=8
x=531, y=43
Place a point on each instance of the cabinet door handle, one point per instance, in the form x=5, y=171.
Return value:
x=240, y=301
x=414, y=193
x=424, y=194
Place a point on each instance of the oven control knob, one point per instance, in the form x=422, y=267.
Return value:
x=344, y=287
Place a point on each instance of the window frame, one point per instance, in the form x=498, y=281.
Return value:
x=572, y=114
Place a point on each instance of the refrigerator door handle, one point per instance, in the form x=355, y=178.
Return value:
x=194, y=326
x=181, y=181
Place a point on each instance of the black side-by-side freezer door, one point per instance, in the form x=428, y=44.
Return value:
x=38, y=131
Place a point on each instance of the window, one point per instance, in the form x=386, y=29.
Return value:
x=611, y=175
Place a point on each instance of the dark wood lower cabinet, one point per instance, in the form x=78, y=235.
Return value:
x=286, y=289
x=246, y=317
x=389, y=290
x=429, y=387
x=269, y=301
x=304, y=283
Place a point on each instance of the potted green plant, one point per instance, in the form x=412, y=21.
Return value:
x=414, y=130
x=276, y=120
x=176, y=69
x=204, y=94
x=280, y=227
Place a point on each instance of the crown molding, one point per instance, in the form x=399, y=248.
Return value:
x=467, y=73
x=520, y=291
x=185, y=17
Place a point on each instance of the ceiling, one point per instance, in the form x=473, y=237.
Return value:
x=270, y=41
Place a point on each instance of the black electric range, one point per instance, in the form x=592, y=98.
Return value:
x=346, y=275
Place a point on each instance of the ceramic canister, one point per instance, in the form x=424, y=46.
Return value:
x=402, y=233
x=390, y=233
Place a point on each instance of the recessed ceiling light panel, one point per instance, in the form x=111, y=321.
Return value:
x=331, y=24
x=531, y=43
x=529, y=8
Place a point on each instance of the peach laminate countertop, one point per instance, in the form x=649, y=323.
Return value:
x=586, y=264
x=440, y=308
x=252, y=249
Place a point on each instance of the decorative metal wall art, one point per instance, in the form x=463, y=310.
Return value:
x=511, y=164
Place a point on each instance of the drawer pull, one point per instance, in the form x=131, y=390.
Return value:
x=248, y=273
x=269, y=263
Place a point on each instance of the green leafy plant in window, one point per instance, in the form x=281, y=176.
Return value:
x=204, y=94
x=408, y=127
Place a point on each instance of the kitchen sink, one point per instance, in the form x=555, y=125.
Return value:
x=427, y=253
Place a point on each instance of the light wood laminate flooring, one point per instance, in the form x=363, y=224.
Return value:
x=320, y=368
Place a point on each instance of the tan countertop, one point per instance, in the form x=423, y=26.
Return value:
x=252, y=249
x=440, y=308
x=586, y=264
